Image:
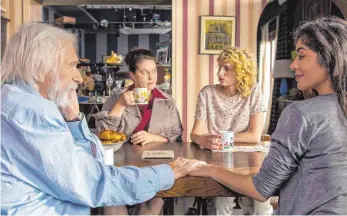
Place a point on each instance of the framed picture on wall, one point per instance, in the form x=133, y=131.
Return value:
x=216, y=33
x=162, y=55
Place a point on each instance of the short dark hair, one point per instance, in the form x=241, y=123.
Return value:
x=135, y=56
x=327, y=36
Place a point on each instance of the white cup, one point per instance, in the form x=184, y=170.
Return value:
x=227, y=139
x=108, y=155
x=141, y=95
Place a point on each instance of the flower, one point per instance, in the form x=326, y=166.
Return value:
x=88, y=83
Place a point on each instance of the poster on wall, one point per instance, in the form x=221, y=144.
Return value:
x=216, y=33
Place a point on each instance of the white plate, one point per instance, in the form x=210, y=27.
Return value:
x=115, y=146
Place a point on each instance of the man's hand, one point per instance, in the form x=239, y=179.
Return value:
x=72, y=110
x=211, y=142
x=142, y=138
x=182, y=166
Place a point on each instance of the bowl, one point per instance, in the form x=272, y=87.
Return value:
x=116, y=146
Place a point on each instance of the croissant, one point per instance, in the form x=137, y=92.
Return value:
x=109, y=136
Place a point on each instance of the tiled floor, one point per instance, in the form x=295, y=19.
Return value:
x=183, y=204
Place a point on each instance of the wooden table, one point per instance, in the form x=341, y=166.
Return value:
x=239, y=162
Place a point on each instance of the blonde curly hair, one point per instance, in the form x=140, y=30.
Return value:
x=241, y=61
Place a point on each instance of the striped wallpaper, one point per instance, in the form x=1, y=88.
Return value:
x=95, y=45
x=192, y=71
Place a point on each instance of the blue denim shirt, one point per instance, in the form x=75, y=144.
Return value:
x=47, y=166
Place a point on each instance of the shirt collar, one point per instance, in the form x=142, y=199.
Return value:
x=157, y=94
x=25, y=87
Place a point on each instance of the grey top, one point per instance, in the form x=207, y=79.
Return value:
x=307, y=162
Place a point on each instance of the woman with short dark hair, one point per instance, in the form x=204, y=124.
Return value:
x=307, y=163
x=157, y=121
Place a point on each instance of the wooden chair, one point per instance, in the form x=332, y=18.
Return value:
x=265, y=137
x=274, y=202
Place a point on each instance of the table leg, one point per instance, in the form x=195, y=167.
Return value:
x=168, y=208
x=97, y=108
x=91, y=113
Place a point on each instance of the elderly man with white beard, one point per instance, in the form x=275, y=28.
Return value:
x=50, y=162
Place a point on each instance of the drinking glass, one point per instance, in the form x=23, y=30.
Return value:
x=119, y=84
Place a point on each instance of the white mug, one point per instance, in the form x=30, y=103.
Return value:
x=141, y=95
x=108, y=155
x=227, y=139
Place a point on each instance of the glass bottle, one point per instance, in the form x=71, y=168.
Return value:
x=109, y=83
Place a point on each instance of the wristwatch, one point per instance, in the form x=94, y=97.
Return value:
x=79, y=117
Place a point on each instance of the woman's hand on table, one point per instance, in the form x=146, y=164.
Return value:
x=204, y=170
x=182, y=166
x=211, y=141
x=142, y=138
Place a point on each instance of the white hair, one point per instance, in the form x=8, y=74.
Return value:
x=36, y=50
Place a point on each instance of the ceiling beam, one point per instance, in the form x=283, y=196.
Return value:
x=88, y=14
x=54, y=10
x=104, y=2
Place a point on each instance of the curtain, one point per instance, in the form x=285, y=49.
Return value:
x=267, y=58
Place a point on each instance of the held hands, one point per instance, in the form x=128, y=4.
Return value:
x=71, y=111
x=182, y=166
x=211, y=141
x=141, y=138
x=204, y=170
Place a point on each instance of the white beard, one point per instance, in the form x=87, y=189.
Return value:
x=58, y=96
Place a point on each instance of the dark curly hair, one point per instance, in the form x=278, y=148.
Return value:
x=327, y=36
x=135, y=56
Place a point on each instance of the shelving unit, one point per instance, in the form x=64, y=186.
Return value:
x=104, y=70
x=100, y=65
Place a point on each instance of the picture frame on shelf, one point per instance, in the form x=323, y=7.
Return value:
x=216, y=33
x=162, y=55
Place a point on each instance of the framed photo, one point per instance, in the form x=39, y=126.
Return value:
x=216, y=33
x=162, y=55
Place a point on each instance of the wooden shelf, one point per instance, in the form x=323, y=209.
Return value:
x=100, y=65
